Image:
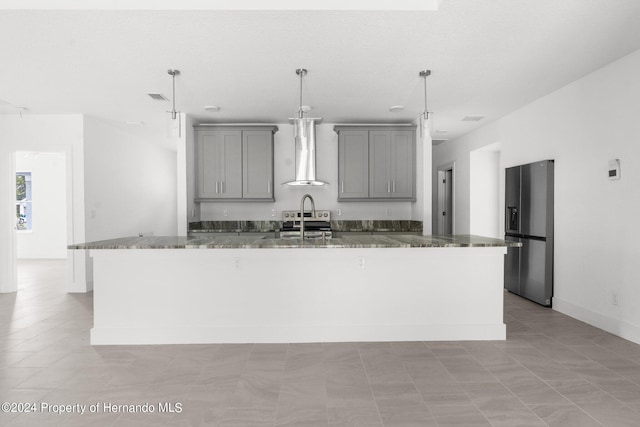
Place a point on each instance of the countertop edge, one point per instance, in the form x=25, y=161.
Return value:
x=235, y=242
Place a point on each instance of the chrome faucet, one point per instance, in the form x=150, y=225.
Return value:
x=313, y=213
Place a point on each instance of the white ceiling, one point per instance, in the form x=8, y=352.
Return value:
x=488, y=58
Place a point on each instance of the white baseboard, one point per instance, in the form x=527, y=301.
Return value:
x=293, y=334
x=615, y=326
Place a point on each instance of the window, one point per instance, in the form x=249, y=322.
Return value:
x=23, y=201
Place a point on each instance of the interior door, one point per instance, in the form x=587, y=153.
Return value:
x=448, y=201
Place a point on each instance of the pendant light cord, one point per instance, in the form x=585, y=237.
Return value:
x=173, y=97
x=300, y=112
x=425, y=74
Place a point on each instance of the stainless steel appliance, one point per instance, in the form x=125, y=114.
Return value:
x=317, y=224
x=528, y=270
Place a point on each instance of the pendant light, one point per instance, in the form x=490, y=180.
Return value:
x=424, y=118
x=424, y=74
x=173, y=74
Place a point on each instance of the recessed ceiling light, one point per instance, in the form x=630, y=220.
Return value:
x=396, y=108
x=472, y=118
x=212, y=108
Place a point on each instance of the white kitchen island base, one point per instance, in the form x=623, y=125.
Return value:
x=305, y=294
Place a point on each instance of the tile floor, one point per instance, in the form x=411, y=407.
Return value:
x=552, y=370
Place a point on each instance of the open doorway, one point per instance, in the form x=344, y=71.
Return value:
x=41, y=214
x=446, y=199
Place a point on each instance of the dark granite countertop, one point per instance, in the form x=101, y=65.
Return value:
x=241, y=242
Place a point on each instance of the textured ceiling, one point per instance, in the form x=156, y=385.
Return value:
x=488, y=58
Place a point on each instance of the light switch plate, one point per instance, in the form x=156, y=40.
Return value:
x=614, y=169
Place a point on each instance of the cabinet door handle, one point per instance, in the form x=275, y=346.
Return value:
x=394, y=187
x=388, y=186
x=222, y=187
x=268, y=187
x=342, y=186
x=216, y=187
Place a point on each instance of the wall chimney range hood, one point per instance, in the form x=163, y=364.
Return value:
x=304, y=129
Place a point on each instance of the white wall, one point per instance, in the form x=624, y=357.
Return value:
x=582, y=126
x=130, y=180
x=48, y=236
x=484, y=192
x=288, y=198
x=42, y=133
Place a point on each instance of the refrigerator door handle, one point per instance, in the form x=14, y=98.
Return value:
x=512, y=218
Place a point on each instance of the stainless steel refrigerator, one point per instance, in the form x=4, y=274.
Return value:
x=528, y=270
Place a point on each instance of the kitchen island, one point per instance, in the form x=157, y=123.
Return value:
x=181, y=290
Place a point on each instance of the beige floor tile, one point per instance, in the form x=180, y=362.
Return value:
x=552, y=370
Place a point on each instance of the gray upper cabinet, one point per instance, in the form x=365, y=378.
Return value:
x=401, y=168
x=219, y=153
x=353, y=165
x=376, y=163
x=257, y=164
x=234, y=163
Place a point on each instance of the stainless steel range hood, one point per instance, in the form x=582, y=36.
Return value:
x=304, y=130
x=305, y=139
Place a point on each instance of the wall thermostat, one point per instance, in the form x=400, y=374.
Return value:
x=614, y=169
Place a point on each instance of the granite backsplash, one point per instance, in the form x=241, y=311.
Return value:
x=271, y=226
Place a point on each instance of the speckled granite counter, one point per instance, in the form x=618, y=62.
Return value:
x=242, y=242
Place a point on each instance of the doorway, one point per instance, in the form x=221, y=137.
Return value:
x=41, y=209
x=446, y=199
x=41, y=205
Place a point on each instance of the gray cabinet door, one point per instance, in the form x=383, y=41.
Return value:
x=209, y=168
x=353, y=164
x=257, y=164
x=402, y=149
x=379, y=164
x=231, y=160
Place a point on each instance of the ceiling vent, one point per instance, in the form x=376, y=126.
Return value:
x=472, y=118
x=158, y=97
